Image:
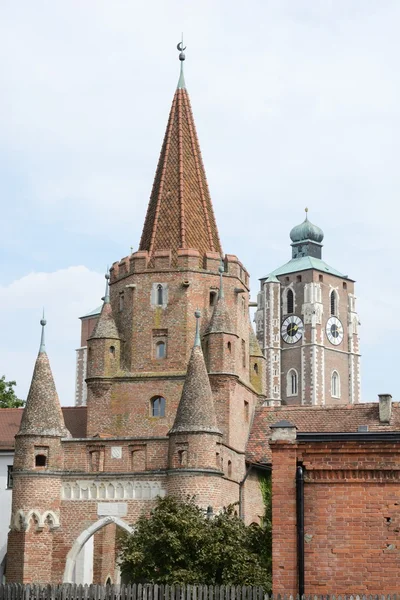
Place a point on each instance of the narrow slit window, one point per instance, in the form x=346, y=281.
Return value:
x=160, y=295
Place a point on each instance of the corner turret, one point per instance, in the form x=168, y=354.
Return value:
x=104, y=345
x=194, y=440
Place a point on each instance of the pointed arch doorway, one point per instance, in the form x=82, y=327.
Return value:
x=83, y=538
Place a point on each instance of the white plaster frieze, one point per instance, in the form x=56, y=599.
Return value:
x=111, y=490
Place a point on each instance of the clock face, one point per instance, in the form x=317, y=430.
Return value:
x=334, y=331
x=292, y=329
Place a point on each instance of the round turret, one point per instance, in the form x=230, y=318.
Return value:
x=306, y=231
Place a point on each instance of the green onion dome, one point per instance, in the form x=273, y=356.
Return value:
x=306, y=231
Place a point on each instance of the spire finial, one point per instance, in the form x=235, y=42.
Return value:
x=221, y=287
x=181, y=48
x=107, y=294
x=306, y=211
x=197, y=314
x=42, y=344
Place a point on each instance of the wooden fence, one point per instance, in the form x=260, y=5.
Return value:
x=16, y=591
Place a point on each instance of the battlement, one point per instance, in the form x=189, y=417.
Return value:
x=186, y=259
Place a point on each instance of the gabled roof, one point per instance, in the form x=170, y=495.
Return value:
x=10, y=421
x=315, y=419
x=180, y=212
x=304, y=264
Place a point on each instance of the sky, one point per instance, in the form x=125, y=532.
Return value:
x=296, y=104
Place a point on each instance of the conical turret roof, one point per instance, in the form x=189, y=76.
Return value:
x=180, y=212
x=255, y=349
x=42, y=414
x=196, y=411
x=220, y=321
x=105, y=327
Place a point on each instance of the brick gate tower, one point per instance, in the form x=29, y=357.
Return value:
x=170, y=396
x=307, y=326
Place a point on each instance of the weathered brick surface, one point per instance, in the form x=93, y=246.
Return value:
x=352, y=517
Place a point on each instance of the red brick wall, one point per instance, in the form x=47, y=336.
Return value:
x=352, y=517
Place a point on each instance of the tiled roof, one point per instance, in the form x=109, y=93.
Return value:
x=10, y=420
x=42, y=414
x=315, y=419
x=105, y=327
x=220, y=319
x=180, y=213
x=196, y=411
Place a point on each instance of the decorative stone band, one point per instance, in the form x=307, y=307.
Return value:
x=21, y=521
x=352, y=476
x=111, y=490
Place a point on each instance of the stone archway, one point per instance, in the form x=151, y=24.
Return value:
x=83, y=538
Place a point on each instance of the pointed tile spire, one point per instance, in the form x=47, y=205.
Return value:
x=180, y=212
x=196, y=410
x=42, y=414
x=220, y=321
x=105, y=327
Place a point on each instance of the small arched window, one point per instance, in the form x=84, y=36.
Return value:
x=112, y=350
x=335, y=385
x=40, y=460
x=229, y=345
x=292, y=383
x=255, y=368
x=290, y=302
x=160, y=295
x=160, y=350
x=333, y=303
x=229, y=468
x=158, y=406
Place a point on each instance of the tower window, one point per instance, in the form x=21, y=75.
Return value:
x=321, y=277
x=243, y=353
x=40, y=460
x=298, y=278
x=9, y=477
x=112, y=350
x=333, y=303
x=290, y=301
x=335, y=385
x=229, y=345
x=158, y=406
x=160, y=350
x=229, y=468
x=121, y=301
x=255, y=368
x=344, y=285
x=213, y=297
x=160, y=295
x=246, y=410
x=292, y=383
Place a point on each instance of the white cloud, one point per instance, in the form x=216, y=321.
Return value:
x=66, y=295
x=296, y=104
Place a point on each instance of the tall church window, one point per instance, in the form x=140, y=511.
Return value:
x=335, y=385
x=292, y=383
x=333, y=303
x=290, y=301
x=158, y=406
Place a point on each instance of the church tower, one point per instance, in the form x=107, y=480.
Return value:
x=307, y=326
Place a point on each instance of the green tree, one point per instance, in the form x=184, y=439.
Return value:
x=177, y=544
x=8, y=397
